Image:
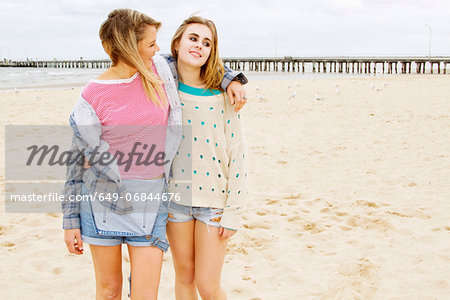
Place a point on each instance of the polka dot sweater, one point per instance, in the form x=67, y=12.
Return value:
x=210, y=168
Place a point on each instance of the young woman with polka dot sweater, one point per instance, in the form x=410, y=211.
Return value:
x=210, y=169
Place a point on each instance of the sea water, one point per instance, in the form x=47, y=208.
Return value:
x=31, y=78
x=23, y=78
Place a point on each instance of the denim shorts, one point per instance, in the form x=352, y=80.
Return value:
x=208, y=215
x=156, y=236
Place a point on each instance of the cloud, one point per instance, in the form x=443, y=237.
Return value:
x=246, y=28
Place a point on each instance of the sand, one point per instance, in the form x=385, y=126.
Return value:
x=349, y=196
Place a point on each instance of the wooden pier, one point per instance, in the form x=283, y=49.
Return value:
x=69, y=64
x=357, y=65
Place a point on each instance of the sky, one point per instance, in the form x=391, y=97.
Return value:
x=68, y=29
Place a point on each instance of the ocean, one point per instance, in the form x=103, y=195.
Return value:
x=26, y=78
x=43, y=78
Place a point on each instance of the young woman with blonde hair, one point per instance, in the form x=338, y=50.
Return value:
x=210, y=168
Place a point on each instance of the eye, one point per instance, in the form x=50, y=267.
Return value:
x=193, y=38
x=207, y=44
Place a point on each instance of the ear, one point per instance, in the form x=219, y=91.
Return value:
x=176, y=45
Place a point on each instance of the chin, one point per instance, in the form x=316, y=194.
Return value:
x=197, y=63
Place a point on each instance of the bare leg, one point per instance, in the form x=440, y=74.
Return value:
x=181, y=240
x=108, y=271
x=210, y=253
x=146, y=263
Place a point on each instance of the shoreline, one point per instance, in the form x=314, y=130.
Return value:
x=62, y=86
x=252, y=76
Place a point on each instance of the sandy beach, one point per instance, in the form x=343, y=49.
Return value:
x=349, y=196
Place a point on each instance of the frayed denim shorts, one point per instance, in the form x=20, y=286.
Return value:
x=181, y=213
x=145, y=227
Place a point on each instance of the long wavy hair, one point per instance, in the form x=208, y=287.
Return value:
x=120, y=35
x=212, y=71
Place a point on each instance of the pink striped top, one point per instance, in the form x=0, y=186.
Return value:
x=125, y=113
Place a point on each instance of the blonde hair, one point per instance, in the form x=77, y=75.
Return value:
x=120, y=35
x=213, y=70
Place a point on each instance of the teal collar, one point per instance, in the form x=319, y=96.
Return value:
x=196, y=91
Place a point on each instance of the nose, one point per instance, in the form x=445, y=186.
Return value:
x=157, y=48
x=198, y=45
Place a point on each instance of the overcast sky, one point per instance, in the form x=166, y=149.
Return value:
x=63, y=29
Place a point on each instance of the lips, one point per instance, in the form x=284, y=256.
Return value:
x=195, y=54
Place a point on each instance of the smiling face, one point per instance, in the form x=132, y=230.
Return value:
x=147, y=44
x=194, y=47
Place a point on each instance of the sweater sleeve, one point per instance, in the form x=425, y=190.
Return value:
x=237, y=180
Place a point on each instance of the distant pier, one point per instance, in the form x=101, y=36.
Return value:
x=358, y=65
x=68, y=64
